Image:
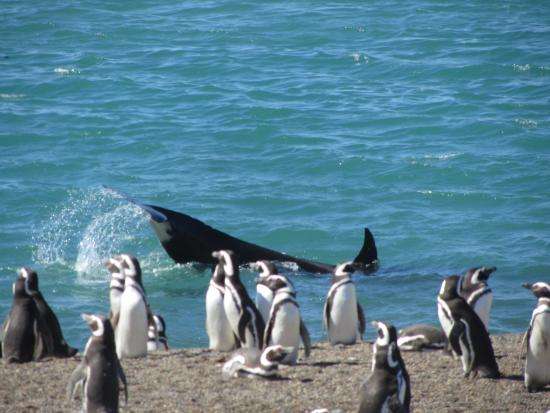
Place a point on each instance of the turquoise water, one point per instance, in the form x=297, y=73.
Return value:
x=292, y=126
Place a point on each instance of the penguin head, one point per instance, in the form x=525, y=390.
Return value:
x=449, y=287
x=385, y=350
x=540, y=289
x=131, y=267
x=345, y=269
x=478, y=275
x=31, y=279
x=19, y=289
x=116, y=267
x=265, y=267
x=218, y=276
x=100, y=326
x=273, y=355
x=228, y=262
x=278, y=283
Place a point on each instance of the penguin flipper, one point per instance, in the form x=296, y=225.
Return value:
x=525, y=343
x=122, y=377
x=114, y=320
x=268, y=331
x=454, y=337
x=43, y=344
x=243, y=322
x=304, y=334
x=326, y=313
x=78, y=377
x=361, y=320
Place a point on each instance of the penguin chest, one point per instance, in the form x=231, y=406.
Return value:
x=264, y=299
x=286, y=326
x=482, y=307
x=444, y=315
x=343, y=318
x=538, y=355
x=220, y=333
x=131, y=333
x=114, y=298
x=232, y=305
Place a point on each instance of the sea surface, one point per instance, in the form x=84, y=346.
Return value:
x=292, y=125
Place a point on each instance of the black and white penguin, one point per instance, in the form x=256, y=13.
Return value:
x=116, y=287
x=132, y=326
x=255, y=363
x=220, y=333
x=21, y=337
x=285, y=325
x=266, y=284
x=99, y=371
x=537, y=340
x=157, y=334
x=465, y=331
x=387, y=388
x=343, y=316
x=475, y=290
x=245, y=319
x=55, y=344
x=420, y=337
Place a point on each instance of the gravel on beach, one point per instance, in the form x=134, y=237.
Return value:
x=190, y=380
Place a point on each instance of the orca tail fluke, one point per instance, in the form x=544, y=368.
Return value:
x=367, y=259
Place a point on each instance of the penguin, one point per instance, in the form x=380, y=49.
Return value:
x=465, y=331
x=255, y=363
x=388, y=387
x=157, y=336
x=55, y=344
x=245, y=319
x=285, y=325
x=116, y=287
x=21, y=339
x=132, y=326
x=421, y=336
x=537, y=339
x=220, y=333
x=99, y=371
x=264, y=293
x=475, y=290
x=344, y=318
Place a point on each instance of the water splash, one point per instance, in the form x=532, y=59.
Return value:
x=89, y=227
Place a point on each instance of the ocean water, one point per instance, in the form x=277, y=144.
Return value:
x=290, y=125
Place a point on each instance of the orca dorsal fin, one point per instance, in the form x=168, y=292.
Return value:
x=367, y=259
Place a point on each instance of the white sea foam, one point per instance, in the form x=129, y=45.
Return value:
x=521, y=68
x=526, y=123
x=11, y=95
x=64, y=71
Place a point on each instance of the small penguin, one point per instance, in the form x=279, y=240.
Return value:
x=344, y=318
x=537, y=339
x=99, y=371
x=475, y=290
x=285, y=325
x=245, y=319
x=157, y=334
x=55, y=344
x=465, y=331
x=220, y=333
x=268, y=278
x=255, y=363
x=421, y=336
x=387, y=388
x=21, y=336
x=132, y=326
x=116, y=287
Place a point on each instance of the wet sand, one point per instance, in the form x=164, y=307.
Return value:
x=190, y=380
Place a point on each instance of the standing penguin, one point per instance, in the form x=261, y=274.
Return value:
x=132, y=326
x=387, y=388
x=264, y=293
x=157, y=334
x=245, y=319
x=285, y=326
x=465, y=331
x=55, y=344
x=116, y=287
x=21, y=337
x=475, y=290
x=99, y=371
x=537, y=339
x=343, y=316
x=220, y=333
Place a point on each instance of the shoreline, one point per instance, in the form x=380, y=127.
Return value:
x=190, y=380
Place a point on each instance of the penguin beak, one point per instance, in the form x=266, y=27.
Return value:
x=111, y=265
x=527, y=286
x=374, y=323
x=88, y=318
x=216, y=254
x=486, y=272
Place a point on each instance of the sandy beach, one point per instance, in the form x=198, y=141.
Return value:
x=190, y=380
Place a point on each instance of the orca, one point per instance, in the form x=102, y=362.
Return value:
x=187, y=239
